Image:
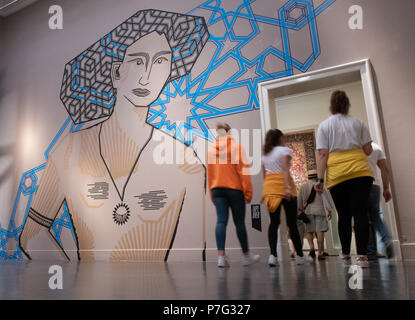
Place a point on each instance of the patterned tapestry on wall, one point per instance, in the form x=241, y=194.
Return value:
x=204, y=64
x=304, y=157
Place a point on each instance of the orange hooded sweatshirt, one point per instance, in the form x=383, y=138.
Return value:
x=228, y=167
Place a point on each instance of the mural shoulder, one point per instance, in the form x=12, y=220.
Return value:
x=72, y=145
x=191, y=164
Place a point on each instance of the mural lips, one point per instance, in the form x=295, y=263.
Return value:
x=141, y=92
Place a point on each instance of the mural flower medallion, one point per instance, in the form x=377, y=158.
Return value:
x=121, y=213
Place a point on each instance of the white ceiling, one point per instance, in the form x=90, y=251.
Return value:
x=8, y=7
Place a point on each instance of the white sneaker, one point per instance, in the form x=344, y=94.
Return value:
x=272, y=261
x=223, y=262
x=309, y=259
x=347, y=260
x=362, y=262
x=300, y=260
x=250, y=259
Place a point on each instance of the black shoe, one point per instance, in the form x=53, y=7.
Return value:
x=389, y=251
x=325, y=254
x=312, y=254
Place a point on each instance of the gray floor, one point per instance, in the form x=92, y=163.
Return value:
x=180, y=280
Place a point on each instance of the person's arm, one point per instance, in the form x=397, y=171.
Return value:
x=285, y=165
x=323, y=144
x=366, y=139
x=322, y=158
x=244, y=174
x=210, y=162
x=367, y=148
x=263, y=175
x=384, y=171
x=209, y=180
x=300, y=202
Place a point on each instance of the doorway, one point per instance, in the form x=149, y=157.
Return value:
x=297, y=104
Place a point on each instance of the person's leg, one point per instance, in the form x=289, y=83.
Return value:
x=222, y=211
x=358, y=200
x=385, y=237
x=375, y=215
x=301, y=231
x=310, y=239
x=311, y=228
x=373, y=211
x=273, y=230
x=320, y=242
x=383, y=231
x=309, y=236
x=237, y=203
x=371, y=244
x=290, y=208
x=339, y=194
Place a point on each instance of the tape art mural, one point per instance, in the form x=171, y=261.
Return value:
x=157, y=75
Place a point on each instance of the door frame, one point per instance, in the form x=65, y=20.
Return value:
x=369, y=93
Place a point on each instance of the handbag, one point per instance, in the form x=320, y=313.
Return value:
x=302, y=216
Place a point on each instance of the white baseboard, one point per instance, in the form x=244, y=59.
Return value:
x=405, y=251
x=408, y=251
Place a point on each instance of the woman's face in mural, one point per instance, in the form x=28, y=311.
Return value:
x=145, y=69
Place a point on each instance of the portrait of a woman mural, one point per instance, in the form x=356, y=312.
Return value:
x=123, y=205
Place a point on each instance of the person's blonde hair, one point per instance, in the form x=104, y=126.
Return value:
x=222, y=129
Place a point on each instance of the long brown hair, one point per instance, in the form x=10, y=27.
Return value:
x=272, y=139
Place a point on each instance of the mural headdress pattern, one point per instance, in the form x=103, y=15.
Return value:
x=87, y=92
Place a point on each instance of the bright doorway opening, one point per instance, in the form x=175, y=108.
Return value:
x=297, y=104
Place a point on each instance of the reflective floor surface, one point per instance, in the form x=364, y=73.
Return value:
x=328, y=279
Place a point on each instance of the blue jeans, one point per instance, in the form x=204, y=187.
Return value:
x=224, y=198
x=376, y=222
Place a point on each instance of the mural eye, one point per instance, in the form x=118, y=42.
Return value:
x=139, y=62
x=160, y=60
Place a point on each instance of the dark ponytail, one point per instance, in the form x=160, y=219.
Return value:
x=272, y=139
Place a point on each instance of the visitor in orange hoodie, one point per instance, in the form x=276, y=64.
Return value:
x=230, y=185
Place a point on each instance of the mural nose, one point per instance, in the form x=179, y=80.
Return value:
x=144, y=80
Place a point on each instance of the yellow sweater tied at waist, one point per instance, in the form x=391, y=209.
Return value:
x=274, y=190
x=347, y=165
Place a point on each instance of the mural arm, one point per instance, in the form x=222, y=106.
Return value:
x=36, y=237
x=192, y=225
x=197, y=196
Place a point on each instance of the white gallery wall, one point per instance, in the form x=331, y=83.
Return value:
x=306, y=110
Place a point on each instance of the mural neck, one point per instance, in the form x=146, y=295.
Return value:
x=122, y=138
x=130, y=121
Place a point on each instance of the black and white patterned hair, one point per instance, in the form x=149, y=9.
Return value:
x=87, y=91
